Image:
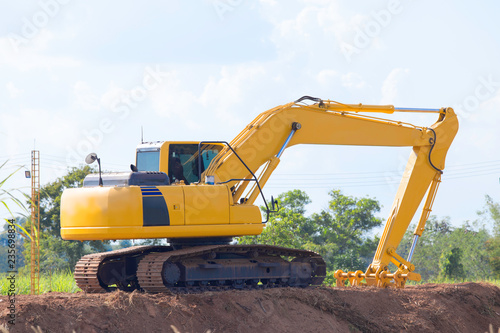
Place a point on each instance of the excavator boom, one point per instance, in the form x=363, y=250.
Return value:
x=332, y=123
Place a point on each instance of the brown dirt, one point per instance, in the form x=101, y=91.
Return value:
x=467, y=307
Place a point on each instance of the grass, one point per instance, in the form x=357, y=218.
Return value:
x=452, y=281
x=61, y=281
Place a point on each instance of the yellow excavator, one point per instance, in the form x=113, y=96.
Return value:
x=199, y=195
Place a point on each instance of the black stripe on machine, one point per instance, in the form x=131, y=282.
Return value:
x=150, y=191
x=154, y=208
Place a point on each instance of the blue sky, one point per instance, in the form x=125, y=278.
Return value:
x=81, y=76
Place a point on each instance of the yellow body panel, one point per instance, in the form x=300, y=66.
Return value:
x=113, y=233
x=101, y=206
x=174, y=198
x=244, y=213
x=207, y=204
x=99, y=213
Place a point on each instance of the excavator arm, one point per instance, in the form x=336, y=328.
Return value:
x=260, y=145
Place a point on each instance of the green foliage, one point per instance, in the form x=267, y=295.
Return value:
x=341, y=231
x=4, y=248
x=450, y=264
x=122, y=244
x=492, y=215
x=59, y=254
x=494, y=255
x=7, y=195
x=493, y=209
x=445, y=251
x=338, y=233
x=59, y=281
x=288, y=227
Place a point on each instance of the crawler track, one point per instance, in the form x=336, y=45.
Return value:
x=87, y=268
x=196, y=269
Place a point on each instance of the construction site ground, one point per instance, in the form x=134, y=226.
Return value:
x=466, y=307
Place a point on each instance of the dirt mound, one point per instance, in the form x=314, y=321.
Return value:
x=467, y=307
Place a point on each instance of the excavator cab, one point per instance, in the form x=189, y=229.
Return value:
x=161, y=198
x=177, y=159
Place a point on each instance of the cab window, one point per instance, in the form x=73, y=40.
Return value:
x=183, y=161
x=148, y=159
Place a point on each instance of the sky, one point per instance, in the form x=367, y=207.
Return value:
x=84, y=76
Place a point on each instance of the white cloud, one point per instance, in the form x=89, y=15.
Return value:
x=13, y=91
x=226, y=92
x=172, y=100
x=48, y=128
x=353, y=80
x=269, y=2
x=32, y=56
x=113, y=94
x=323, y=25
x=481, y=133
x=223, y=95
x=492, y=105
x=390, y=85
x=326, y=75
x=85, y=99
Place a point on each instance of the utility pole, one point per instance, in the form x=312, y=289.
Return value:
x=35, y=222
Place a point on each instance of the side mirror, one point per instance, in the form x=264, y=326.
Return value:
x=91, y=158
x=133, y=168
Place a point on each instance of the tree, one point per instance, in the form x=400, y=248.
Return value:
x=447, y=252
x=493, y=208
x=124, y=243
x=428, y=249
x=288, y=227
x=492, y=213
x=450, y=264
x=342, y=231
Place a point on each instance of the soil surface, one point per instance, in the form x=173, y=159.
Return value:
x=467, y=307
